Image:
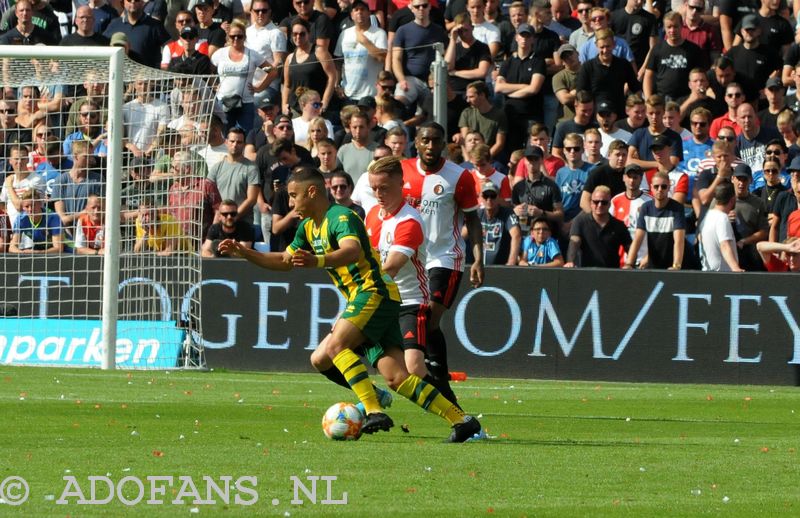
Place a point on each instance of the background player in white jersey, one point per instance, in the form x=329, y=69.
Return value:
x=446, y=198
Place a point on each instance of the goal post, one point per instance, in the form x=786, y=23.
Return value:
x=137, y=304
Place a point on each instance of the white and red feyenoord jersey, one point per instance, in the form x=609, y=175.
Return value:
x=441, y=197
x=402, y=232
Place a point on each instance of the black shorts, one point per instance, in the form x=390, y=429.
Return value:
x=414, y=326
x=444, y=284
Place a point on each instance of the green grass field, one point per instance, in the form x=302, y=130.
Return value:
x=557, y=448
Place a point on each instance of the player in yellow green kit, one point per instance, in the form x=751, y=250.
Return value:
x=334, y=237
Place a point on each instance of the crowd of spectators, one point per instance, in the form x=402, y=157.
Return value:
x=599, y=133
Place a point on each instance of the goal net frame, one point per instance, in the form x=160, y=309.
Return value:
x=191, y=354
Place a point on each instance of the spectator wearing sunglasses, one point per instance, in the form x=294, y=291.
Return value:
x=661, y=223
x=502, y=237
x=310, y=104
x=595, y=238
x=228, y=228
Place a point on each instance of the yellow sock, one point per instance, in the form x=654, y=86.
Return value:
x=357, y=377
x=428, y=397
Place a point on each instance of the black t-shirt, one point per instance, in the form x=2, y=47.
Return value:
x=624, y=125
x=145, y=39
x=242, y=232
x=268, y=166
x=792, y=56
x=545, y=43
x=468, y=59
x=223, y=14
x=196, y=63
x=708, y=103
x=769, y=194
x=321, y=27
x=785, y=204
x=636, y=29
x=76, y=40
x=517, y=70
x=604, y=174
x=544, y=193
x=754, y=66
x=404, y=16
x=566, y=127
x=600, y=245
x=213, y=34
x=280, y=207
x=607, y=83
x=737, y=9
x=38, y=36
x=671, y=66
x=776, y=31
x=43, y=18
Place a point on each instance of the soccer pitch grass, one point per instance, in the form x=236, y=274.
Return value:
x=556, y=448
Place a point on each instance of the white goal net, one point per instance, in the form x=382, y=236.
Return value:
x=105, y=205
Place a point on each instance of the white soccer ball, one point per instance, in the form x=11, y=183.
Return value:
x=342, y=422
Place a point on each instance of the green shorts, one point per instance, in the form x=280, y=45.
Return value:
x=379, y=319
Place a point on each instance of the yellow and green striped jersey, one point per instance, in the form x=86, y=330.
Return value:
x=366, y=274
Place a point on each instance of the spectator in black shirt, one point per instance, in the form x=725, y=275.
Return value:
x=84, y=34
x=192, y=61
x=23, y=31
x=776, y=31
x=145, y=34
x=637, y=26
x=520, y=81
x=670, y=62
x=609, y=174
x=537, y=195
x=595, y=238
x=754, y=62
x=467, y=59
x=607, y=75
x=227, y=228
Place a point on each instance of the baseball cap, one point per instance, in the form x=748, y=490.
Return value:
x=604, y=107
x=359, y=3
x=743, y=170
x=660, y=141
x=750, y=21
x=774, y=82
x=119, y=39
x=204, y=3
x=488, y=187
x=524, y=28
x=795, y=165
x=634, y=169
x=267, y=102
x=533, y=151
x=189, y=33
x=367, y=102
x=566, y=48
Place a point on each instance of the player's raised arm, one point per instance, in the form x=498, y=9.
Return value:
x=270, y=260
x=348, y=253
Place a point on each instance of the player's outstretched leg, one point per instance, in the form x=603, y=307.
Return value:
x=417, y=390
x=344, y=338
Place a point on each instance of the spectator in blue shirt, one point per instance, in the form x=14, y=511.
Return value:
x=540, y=248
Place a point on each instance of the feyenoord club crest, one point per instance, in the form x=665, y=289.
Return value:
x=438, y=189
